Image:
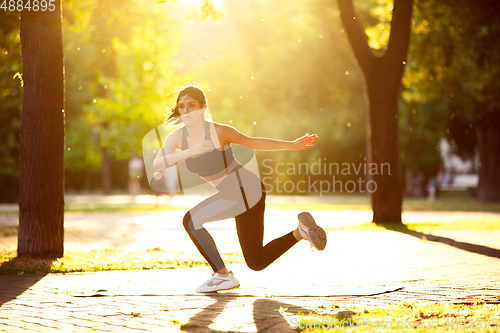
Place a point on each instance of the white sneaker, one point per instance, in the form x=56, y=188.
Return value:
x=219, y=282
x=311, y=232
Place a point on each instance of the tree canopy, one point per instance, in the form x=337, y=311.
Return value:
x=279, y=69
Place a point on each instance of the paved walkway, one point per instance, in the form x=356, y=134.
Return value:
x=357, y=269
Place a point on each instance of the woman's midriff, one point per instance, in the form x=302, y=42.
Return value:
x=216, y=179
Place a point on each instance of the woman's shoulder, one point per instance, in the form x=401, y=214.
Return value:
x=175, y=138
x=223, y=128
x=176, y=134
x=223, y=132
x=177, y=131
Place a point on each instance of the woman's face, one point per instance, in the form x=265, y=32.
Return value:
x=190, y=109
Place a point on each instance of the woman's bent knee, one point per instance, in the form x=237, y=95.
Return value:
x=256, y=265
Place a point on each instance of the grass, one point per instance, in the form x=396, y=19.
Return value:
x=93, y=261
x=317, y=206
x=470, y=225
x=8, y=231
x=440, y=317
x=450, y=201
x=118, y=208
x=191, y=325
x=72, y=207
x=454, y=201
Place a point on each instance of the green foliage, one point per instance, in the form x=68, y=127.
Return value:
x=140, y=93
x=206, y=11
x=276, y=69
x=376, y=17
x=10, y=108
x=82, y=155
x=452, y=68
x=120, y=71
x=421, y=127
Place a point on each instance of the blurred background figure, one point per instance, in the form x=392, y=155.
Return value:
x=171, y=181
x=442, y=179
x=135, y=170
x=165, y=181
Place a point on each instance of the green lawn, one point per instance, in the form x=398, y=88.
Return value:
x=93, y=261
x=449, y=201
x=423, y=317
x=472, y=225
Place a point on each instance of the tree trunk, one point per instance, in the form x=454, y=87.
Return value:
x=384, y=137
x=382, y=77
x=41, y=199
x=488, y=140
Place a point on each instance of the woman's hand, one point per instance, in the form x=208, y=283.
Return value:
x=201, y=148
x=304, y=142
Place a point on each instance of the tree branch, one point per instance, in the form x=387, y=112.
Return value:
x=356, y=34
x=399, y=39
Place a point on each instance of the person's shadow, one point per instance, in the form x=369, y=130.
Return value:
x=267, y=314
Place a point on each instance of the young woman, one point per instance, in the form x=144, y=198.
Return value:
x=205, y=148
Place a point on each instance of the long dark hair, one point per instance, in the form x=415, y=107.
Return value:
x=191, y=90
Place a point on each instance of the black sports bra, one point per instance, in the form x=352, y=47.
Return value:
x=210, y=163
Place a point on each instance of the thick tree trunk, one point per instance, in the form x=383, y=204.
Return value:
x=383, y=95
x=382, y=83
x=41, y=201
x=488, y=140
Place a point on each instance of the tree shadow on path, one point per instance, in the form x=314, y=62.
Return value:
x=474, y=248
x=11, y=286
x=21, y=272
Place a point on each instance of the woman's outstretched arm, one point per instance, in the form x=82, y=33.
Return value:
x=232, y=135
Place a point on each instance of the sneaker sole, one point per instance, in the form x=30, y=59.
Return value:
x=316, y=234
x=220, y=289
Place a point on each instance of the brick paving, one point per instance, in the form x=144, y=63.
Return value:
x=357, y=269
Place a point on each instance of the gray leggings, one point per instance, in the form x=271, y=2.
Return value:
x=240, y=195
